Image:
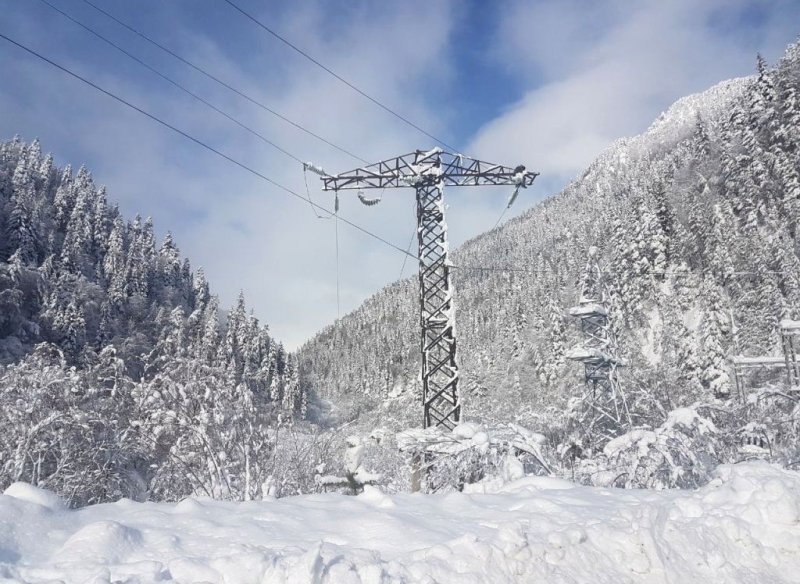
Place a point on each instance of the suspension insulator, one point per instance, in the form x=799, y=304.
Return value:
x=314, y=168
x=513, y=197
x=368, y=201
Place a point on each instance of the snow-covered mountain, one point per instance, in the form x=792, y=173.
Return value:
x=697, y=225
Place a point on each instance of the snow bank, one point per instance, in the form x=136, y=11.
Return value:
x=743, y=527
x=31, y=494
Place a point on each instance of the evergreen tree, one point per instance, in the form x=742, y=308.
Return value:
x=169, y=278
x=21, y=238
x=558, y=332
x=64, y=200
x=114, y=264
x=200, y=289
x=137, y=266
x=715, y=324
x=78, y=237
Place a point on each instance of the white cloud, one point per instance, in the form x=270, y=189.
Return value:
x=271, y=244
x=593, y=71
x=611, y=67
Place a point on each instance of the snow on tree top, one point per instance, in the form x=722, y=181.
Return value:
x=674, y=124
x=712, y=104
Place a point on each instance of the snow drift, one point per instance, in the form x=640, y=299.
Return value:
x=742, y=527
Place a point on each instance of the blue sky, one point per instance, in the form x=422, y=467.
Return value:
x=548, y=84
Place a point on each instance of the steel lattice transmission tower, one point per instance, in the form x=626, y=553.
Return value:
x=428, y=173
x=605, y=409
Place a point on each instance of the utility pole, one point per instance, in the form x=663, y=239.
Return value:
x=428, y=173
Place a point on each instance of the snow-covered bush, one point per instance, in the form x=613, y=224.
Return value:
x=60, y=433
x=301, y=453
x=355, y=476
x=471, y=453
x=768, y=425
x=682, y=452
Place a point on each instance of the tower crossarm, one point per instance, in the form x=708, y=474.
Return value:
x=420, y=167
x=429, y=172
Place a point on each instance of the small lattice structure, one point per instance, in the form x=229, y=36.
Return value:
x=755, y=441
x=790, y=331
x=606, y=409
x=746, y=367
x=786, y=364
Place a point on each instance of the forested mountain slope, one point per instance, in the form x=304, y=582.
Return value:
x=117, y=376
x=696, y=221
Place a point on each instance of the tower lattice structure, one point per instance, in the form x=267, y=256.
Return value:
x=428, y=172
x=604, y=409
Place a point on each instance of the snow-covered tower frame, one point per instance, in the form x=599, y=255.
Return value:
x=603, y=398
x=428, y=172
x=790, y=332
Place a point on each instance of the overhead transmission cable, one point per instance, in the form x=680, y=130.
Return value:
x=219, y=81
x=338, y=301
x=221, y=112
x=499, y=219
x=408, y=252
x=195, y=96
x=316, y=206
x=176, y=84
x=510, y=202
x=336, y=75
x=199, y=142
x=308, y=195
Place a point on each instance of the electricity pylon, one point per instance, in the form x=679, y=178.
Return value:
x=428, y=173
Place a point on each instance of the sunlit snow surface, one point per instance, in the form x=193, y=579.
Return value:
x=743, y=527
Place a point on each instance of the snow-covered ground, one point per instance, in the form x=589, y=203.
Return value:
x=743, y=527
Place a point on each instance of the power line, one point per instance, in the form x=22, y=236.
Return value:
x=507, y=269
x=408, y=251
x=175, y=83
x=308, y=194
x=199, y=142
x=499, y=219
x=336, y=75
x=223, y=83
x=338, y=302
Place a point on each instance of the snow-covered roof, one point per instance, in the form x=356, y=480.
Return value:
x=758, y=361
x=790, y=325
x=588, y=309
x=587, y=354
